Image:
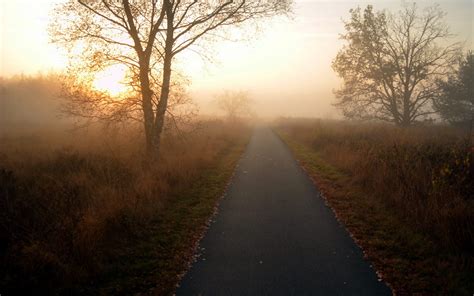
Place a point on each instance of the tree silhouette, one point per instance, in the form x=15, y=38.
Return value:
x=235, y=104
x=456, y=102
x=390, y=64
x=146, y=35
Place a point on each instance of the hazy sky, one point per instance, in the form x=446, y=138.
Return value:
x=285, y=67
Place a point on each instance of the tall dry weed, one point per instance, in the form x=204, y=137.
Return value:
x=68, y=203
x=425, y=173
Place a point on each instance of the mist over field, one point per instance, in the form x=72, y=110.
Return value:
x=29, y=102
x=262, y=147
x=285, y=64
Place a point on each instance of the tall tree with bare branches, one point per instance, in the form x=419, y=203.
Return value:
x=147, y=35
x=391, y=62
x=235, y=104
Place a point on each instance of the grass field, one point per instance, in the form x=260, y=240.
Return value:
x=404, y=194
x=84, y=214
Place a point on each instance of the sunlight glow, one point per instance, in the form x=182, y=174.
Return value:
x=111, y=80
x=286, y=59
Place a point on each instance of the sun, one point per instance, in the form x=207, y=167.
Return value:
x=111, y=80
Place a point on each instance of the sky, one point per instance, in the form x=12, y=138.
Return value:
x=285, y=65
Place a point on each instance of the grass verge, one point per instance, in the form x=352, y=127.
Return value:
x=96, y=219
x=407, y=259
x=162, y=252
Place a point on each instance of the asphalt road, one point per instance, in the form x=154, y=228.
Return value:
x=274, y=235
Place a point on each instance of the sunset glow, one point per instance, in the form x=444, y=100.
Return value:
x=308, y=42
x=243, y=147
x=111, y=80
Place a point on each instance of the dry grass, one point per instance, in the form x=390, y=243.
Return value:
x=68, y=203
x=426, y=173
x=405, y=195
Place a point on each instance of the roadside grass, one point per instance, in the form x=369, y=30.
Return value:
x=410, y=259
x=162, y=251
x=88, y=215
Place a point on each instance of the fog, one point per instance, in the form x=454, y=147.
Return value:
x=285, y=64
x=287, y=67
x=166, y=134
x=29, y=103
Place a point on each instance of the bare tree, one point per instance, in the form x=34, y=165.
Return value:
x=81, y=100
x=235, y=104
x=146, y=35
x=390, y=63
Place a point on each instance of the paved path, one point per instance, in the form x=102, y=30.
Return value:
x=274, y=235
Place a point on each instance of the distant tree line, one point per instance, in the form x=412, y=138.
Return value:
x=402, y=68
x=29, y=101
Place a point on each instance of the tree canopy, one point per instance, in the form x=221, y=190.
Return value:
x=456, y=102
x=391, y=62
x=146, y=35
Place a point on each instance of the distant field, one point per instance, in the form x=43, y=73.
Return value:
x=84, y=213
x=405, y=194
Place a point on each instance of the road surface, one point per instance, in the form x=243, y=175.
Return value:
x=274, y=235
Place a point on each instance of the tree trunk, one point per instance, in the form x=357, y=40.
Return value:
x=406, y=121
x=162, y=106
x=165, y=88
x=147, y=105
